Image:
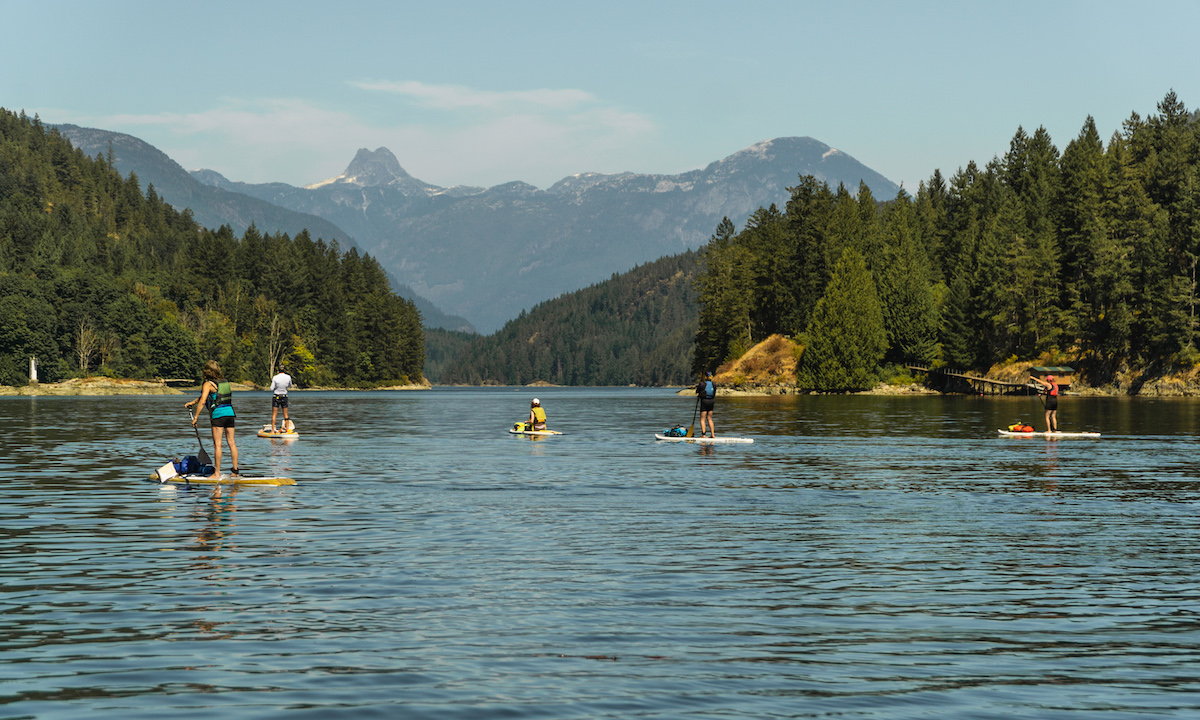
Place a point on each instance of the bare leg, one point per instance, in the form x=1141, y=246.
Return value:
x=1054, y=419
x=274, y=414
x=216, y=432
x=233, y=453
x=1049, y=421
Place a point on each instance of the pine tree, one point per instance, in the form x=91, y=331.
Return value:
x=909, y=313
x=846, y=339
x=807, y=222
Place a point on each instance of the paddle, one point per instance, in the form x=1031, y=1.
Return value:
x=203, y=456
x=692, y=427
x=1037, y=390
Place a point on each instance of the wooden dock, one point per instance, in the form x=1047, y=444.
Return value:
x=954, y=381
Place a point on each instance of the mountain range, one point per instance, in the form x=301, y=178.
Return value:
x=487, y=254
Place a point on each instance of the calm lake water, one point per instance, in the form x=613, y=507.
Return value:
x=866, y=557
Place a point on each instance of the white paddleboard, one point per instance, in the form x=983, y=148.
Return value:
x=223, y=480
x=703, y=440
x=1009, y=433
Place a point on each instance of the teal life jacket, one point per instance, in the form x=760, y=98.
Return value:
x=220, y=403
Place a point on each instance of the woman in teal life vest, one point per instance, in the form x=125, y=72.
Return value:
x=217, y=397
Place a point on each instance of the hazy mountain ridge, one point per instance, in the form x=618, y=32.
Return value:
x=488, y=254
x=215, y=201
x=211, y=205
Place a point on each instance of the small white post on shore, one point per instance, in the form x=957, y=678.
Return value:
x=33, y=371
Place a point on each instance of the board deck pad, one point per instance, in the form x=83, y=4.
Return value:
x=515, y=431
x=284, y=436
x=704, y=440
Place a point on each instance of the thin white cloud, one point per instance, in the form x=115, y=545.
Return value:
x=457, y=97
x=535, y=136
x=268, y=122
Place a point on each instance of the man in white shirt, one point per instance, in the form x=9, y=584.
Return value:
x=279, y=399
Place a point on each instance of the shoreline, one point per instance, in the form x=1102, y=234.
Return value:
x=1159, y=389
x=106, y=386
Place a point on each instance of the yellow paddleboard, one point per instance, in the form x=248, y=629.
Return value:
x=167, y=474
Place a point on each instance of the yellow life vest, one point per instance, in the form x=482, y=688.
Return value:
x=539, y=415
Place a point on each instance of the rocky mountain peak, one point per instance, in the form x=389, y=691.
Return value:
x=378, y=168
x=375, y=168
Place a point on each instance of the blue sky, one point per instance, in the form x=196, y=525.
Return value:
x=480, y=93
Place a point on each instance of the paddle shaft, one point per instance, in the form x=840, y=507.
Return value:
x=203, y=456
x=692, y=427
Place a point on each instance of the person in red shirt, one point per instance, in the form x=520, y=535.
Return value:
x=1050, y=388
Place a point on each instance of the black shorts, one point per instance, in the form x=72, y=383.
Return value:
x=706, y=405
x=223, y=422
x=1051, y=402
x=279, y=401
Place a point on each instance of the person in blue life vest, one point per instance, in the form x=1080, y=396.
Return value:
x=537, y=416
x=707, y=392
x=217, y=397
x=1050, y=389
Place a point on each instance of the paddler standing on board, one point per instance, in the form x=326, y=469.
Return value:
x=706, y=395
x=279, y=399
x=216, y=397
x=1050, y=389
x=537, y=416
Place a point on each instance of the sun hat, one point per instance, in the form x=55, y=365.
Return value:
x=537, y=402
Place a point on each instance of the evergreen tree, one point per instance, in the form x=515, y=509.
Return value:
x=909, y=313
x=725, y=298
x=846, y=339
x=806, y=222
x=958, y=339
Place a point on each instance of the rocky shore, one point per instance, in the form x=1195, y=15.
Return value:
x=1166, y=386
x=94, y=386
x=749, y=390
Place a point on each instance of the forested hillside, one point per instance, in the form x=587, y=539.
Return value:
x=633, y=329
x=1089, y=255
x=97, y=277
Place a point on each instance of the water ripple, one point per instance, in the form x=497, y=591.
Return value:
x=865, y=558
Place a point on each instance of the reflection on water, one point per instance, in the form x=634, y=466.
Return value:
x=865, y=557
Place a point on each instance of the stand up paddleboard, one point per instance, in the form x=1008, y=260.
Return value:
x=1009, y=433
x=515, y=431
x=167, y=474
x=223, y=480
x=278, y=435
x=703, y=440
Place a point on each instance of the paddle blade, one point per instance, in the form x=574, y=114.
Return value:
x=691, y=430
x=203, y=456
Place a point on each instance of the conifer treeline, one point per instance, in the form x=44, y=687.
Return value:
x=633, y=329
x=1091, y=254
x=96, y=277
